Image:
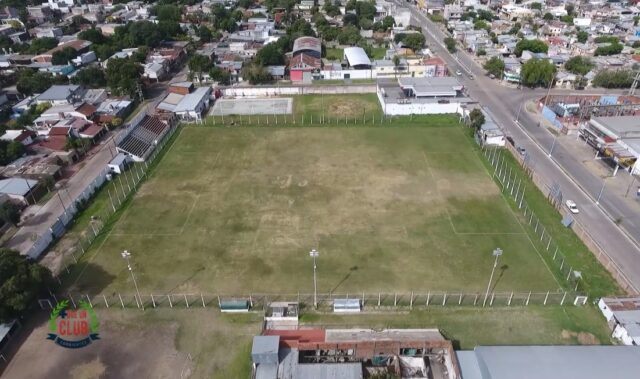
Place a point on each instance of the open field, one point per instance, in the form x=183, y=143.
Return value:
x=166, y=343
x=337, y=106
x=334, y=54
x=395, y=209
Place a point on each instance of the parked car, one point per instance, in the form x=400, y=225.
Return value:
x=443, y=101
x=511, y=141
x=521, y=150
x=573, y=207
x=458, y=72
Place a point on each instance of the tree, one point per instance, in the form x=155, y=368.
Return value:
x=219, y=75
x=365, y=9
x=332, y=9
x=610, y=49
x=414, y=41
x=579, y=65
x=570, y=8
x=350, y=19
x=349, y=35
x=536, y=6
x=532, y=45
x=116, y=122
x=481, y=24
x=495, y=66
x=10, y=213
x=388, y=22
x=485, y=15
x=450, y=43
x=613, y=78
x=270, y=54
x=168, y=12
x=256, y=74
x=124, y=76
x=30, y=82
x=396, y=64
x=64, y=56
x=205, y=34
x=582, y=36
x=198, y=64
x=21, y=281
x=547, y=16
x=537, y=72
x=476, y=118
x=40, y=45
x=92, y=77
x=93, y=35
x=10, y=151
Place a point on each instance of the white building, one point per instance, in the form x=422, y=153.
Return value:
x=193, y=105
x=623, y=316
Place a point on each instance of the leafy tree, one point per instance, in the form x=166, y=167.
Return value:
x=582, y=36
x=414, y=41
x=10, y=151
x=40, y=45
x=365, y=9
x=93, y=35
x=30, y=82
x=481, y=24
x=547, y=16
x=495, y=66
x=246, y=4
x=388, y=22
x=199, y=64
x=77, y=21
x=350, y=19
x=613, y=78
x=481, y=52
x=349, y=35
x=536, y=6
x=485, y=15
x=537, y=72
x=205, y=34
x=515, y=28
x=332, y=9
x=450, y=43
x=270, y=54
x=256, y=74
x=570, y=8
x=611, y=49
x=396, y=64
x=606, y=39
x=21, y=281
x=168, y=12
x=10, y=212
x=124, y=76
x=300, y=28
x=579, y=65
x=476, y=118
x=532, y=45
x=64, y=56
x=92, y=77
x=219, y=75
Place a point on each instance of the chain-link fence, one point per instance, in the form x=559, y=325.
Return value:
x=325, y=301
x=319, y=119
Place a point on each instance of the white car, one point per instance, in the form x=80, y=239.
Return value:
x=458, y=72
x=573, y=208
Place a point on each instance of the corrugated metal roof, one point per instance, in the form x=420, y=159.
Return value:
x=58, y=92
x=191, y=101
x=5, y=328
x=356, y=56
x=17, y=186
x=551, y=362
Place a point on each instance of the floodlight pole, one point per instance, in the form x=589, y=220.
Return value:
x=553, y=145
x=127, y=255
x=314, y=254
x=604, y=182
x=496, y=253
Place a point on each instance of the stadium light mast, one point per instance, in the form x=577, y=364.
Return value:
x=127, y=255
x=496, y=253
x=314, y=254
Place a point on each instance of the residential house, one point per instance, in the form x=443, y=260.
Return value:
x=193, y=105
x=62, y=94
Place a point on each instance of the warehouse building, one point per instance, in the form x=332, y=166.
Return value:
x=616, y=138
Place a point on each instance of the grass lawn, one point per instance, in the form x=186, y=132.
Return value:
x=334, y=54
x=337, y=106
x=378, y=52
x=235, y=210
x=469, y=327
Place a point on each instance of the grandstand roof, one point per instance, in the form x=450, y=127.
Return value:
x=307, y=43
x=356, y=56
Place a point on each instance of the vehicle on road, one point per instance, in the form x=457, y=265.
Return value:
x=459, y=73
x=443, y=101
x=573, y=207
x=511, y=141
x=521, y=150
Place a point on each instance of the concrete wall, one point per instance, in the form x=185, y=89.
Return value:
x=296, y=90
x=394, y=109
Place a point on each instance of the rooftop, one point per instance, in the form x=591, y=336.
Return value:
x=621, y=126
x=17, y=186
x=356, y=56
x=58, y=92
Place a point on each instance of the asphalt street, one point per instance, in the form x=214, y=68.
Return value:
x=575, y=180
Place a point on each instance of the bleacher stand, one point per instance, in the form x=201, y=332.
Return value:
x=143, y=137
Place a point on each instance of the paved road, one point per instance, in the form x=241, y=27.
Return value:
x=575, y=180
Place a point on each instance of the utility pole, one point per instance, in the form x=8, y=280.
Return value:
x=127, y=255
x=604, y=182
x=496, y=253
x=314, y=254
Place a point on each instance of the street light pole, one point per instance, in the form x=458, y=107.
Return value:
x=555, y=138
x=604, y=182
x=314, y=254
x=127, y=255
x=496, y=253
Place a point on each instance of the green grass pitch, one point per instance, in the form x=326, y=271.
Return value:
x=236, y=211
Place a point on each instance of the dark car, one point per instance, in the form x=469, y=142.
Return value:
x=443, y=101
x=510, y=139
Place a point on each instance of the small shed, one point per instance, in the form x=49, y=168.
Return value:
x=346, y=306
x=119, y=163
x=234, y=306
x=265, y=349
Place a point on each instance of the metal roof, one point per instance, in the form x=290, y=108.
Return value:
x=307, y=43
x=265, y=345
x=435, y=86
x=17, y=186
x=118, y=159
x=621, y=126
x=356, y=56
x=58, y=92
x=5, y=329
x=551, y=362
x=191, y=101
x=330, y=370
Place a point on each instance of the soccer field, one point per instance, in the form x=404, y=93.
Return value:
x=236, y=211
